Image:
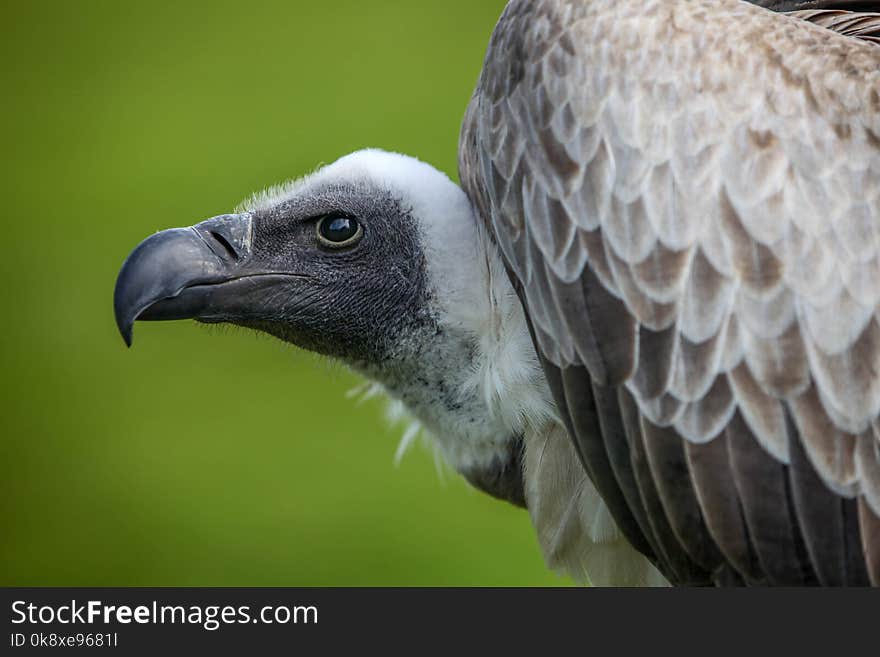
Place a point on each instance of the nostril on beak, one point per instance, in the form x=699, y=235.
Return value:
x=224, y=244
x=228, y=236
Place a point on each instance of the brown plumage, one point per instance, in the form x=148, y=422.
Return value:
x=686, y=194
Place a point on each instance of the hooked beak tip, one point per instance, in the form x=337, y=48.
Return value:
x=124, y=324
x=172, y=261
x=126, y=337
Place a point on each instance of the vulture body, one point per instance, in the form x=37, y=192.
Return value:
x=687, y=196
x=677, y=202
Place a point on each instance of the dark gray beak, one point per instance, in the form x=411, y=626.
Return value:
x=185, y=273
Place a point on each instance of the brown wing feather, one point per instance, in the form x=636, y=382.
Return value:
x=687, y=196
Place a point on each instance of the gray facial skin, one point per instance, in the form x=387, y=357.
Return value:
x=267, y=270
x=368, y=304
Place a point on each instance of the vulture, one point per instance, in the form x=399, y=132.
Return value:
x=649, y=314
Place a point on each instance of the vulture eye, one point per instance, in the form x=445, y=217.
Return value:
x=336, y=231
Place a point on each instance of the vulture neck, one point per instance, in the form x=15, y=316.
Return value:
x=469, y=374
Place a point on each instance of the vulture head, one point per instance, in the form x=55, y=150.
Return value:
x=375, y=260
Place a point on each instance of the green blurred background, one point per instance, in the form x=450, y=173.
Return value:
x=210, y=456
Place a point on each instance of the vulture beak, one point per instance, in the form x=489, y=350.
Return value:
x=201, y=272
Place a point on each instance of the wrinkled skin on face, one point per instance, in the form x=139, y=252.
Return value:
x=350, y=303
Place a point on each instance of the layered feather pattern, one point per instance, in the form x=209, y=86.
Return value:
x=687, y=195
